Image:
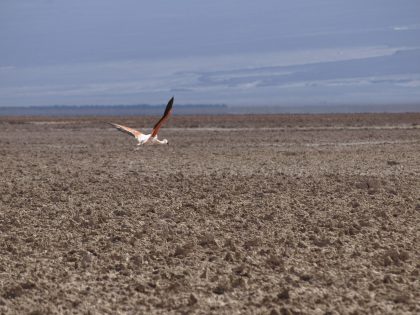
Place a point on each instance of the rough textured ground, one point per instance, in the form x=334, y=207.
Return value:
x=287, y=214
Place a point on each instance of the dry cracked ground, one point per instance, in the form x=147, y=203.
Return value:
x=281, y=214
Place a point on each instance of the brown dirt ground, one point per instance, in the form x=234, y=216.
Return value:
x=253, y=214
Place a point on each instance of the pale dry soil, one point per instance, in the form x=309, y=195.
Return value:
x=282, y=214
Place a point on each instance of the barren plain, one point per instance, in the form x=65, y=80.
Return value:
x=252, y=214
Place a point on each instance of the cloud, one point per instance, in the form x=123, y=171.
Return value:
x=406, y=27
x=211, y=77
x=410, y=83
x=7, y=68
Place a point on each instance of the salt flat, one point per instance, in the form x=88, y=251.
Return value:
x=267, y=214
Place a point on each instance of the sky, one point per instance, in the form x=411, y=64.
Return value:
x=235, y=52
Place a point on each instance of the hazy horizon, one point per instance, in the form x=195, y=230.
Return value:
x=106, y=52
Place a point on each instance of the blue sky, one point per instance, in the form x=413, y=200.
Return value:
x=236, y=52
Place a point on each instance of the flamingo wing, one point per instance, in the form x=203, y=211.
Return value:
x=132, y=132
x=165, y=116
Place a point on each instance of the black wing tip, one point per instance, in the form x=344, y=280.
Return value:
x=169, y=106
x=171, y=101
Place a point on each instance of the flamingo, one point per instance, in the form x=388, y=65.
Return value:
x=152, y=137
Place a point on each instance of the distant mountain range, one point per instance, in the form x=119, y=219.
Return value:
x=107, y=110
x=211, y=109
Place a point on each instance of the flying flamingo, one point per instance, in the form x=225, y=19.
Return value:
x=150, y=138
